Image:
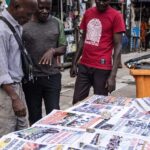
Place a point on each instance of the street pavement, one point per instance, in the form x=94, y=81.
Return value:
x=125, y=83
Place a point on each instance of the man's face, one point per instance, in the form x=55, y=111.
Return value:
x=102, y=5
x=23, y=11
x=44, y=9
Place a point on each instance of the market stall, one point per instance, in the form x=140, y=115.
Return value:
x=140, y=25
x=69, y=11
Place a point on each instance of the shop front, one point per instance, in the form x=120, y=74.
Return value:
x=140, y=25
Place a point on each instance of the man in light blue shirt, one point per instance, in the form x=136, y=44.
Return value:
x=12, y=104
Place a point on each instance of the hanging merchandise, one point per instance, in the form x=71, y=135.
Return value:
x=1, y=2
x=140, y=25
x=2, y=5
x=8, y=2
x=69, y=13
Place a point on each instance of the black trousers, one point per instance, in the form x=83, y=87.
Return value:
x=147, y=40
x=46, y=88
x=88, y=77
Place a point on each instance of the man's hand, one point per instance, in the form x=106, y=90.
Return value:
x=19, y=107
x=47, y=57
x=111, y=84
x=17, y=104
x=73, y=71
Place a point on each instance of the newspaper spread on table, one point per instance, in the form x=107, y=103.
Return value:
x=98, y=123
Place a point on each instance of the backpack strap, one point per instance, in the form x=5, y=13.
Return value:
x=17, y=37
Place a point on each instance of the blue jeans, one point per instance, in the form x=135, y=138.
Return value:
x=45, y=88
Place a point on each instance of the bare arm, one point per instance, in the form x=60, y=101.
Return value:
x=111, y=82
x=73, y=70
x=17, y=104
x=60, y=51
x=117, y=52
x=52, y=52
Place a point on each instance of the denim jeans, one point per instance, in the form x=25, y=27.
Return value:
x=45, y=88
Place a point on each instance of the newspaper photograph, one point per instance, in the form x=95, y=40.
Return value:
x=109, y=100
x=142, y=104
x=131, y=126
x=11, y=143
x=69, y=119
x=98, y=109
x=48, y=135
x=109, y=141
x=134, y=113
x=72, y=148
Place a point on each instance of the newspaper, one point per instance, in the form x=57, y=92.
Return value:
x=11, y=143
x=99, y=140
x=69, y=119
x=73, y=148
x=109, y=100
x=130, y=126
x=134, y=113
x=102, y=140
x=49, y=135
x=99, y=123
x=105, y=111
x=142, y=104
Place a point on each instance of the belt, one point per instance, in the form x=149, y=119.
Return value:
x=40, y=77
x=46, y=77
x=14, y=83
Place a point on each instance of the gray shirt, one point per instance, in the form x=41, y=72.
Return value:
x=38, y=38
x=10, y=56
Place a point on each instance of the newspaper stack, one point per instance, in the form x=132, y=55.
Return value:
x=98, y=123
